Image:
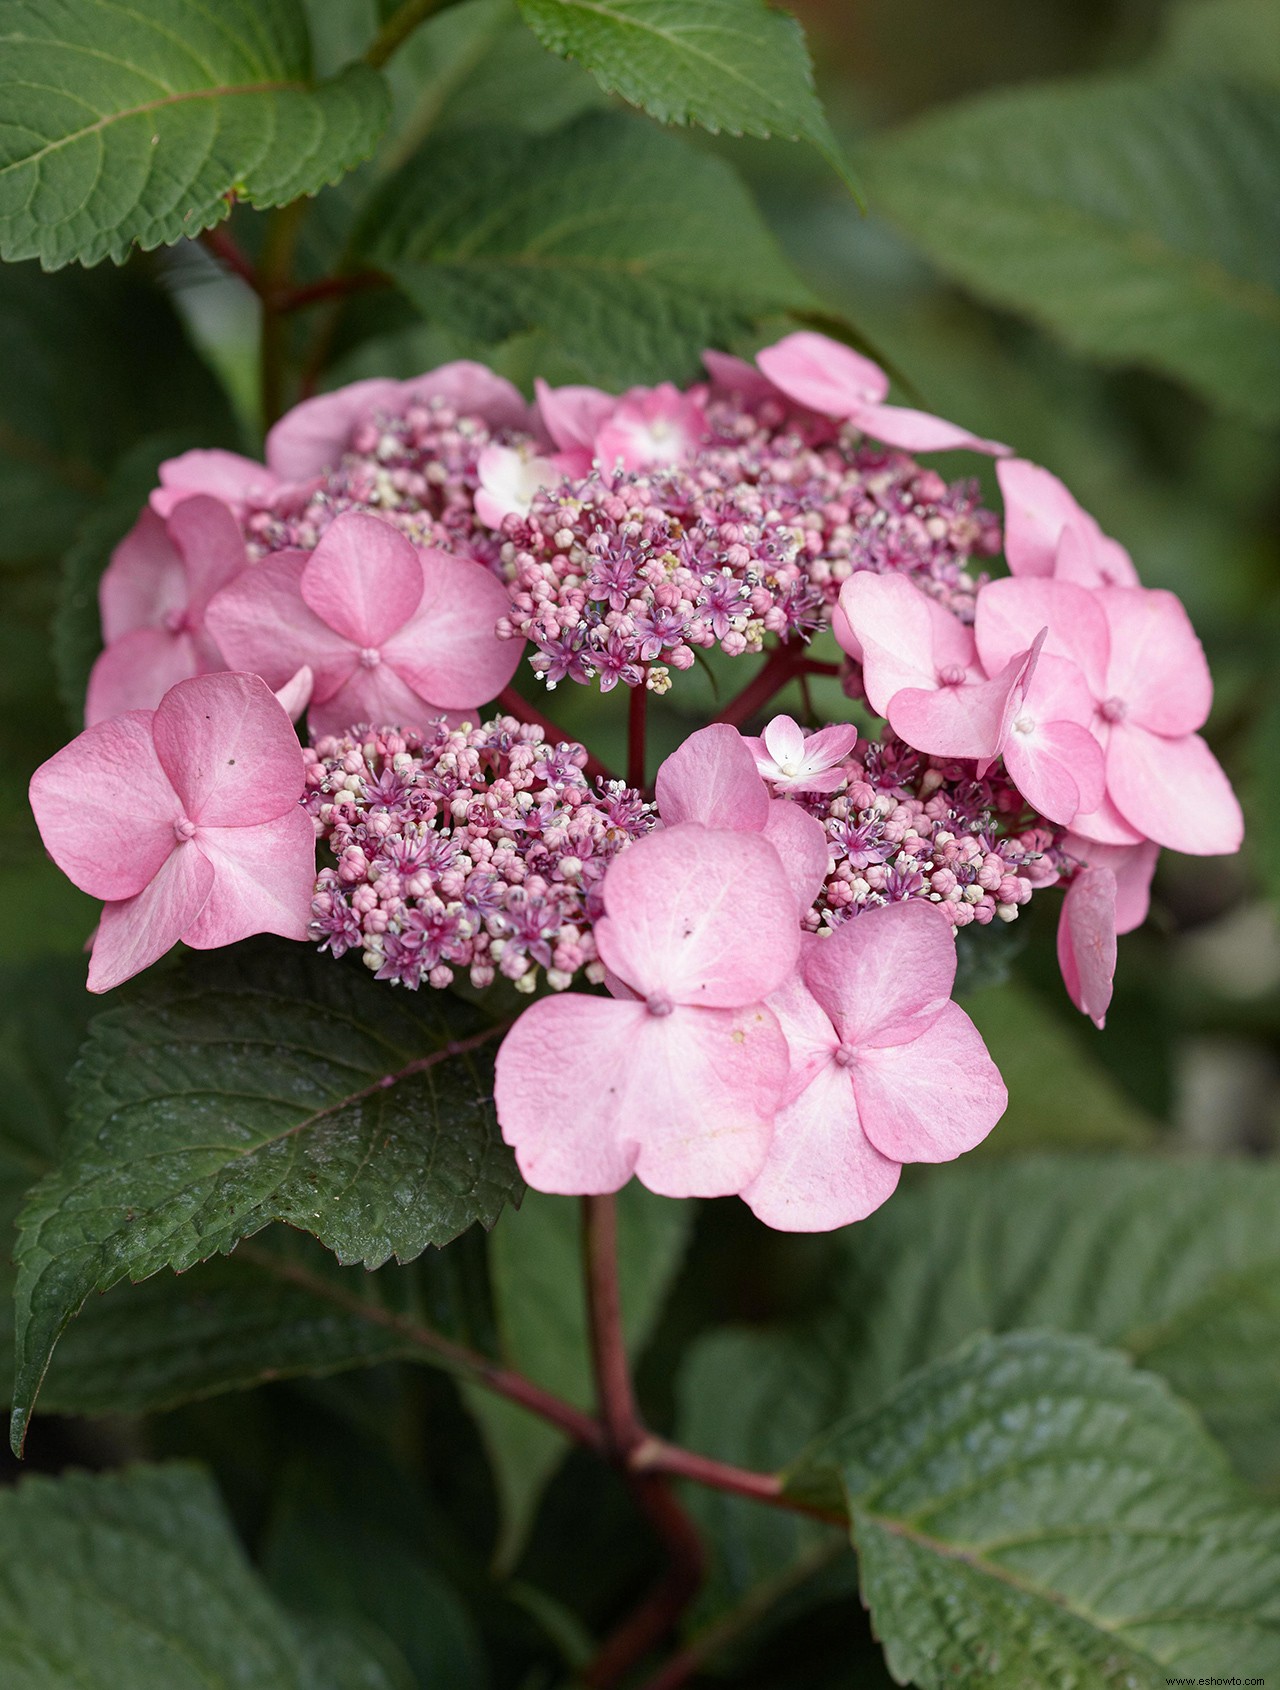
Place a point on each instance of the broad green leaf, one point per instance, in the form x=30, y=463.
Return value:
x=135, y=1581
x=1237, y=38
x=139, y=123
x=609, y=235
x=535, y=1261
x=735, y=65
x=1138, y=219
x=266, y=1083
x=1035, y=1512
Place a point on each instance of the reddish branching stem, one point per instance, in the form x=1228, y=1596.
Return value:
x=782, y=663
x=224, y=247
x=637, y=720
x=330, y=287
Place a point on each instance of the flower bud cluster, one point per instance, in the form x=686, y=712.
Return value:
x=480, y=848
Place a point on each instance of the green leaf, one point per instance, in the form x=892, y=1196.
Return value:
x=735, y=65
x=267, y=1083
x=147, y=142
x=1138, y=219
x=535, y=1262
x=135, y=1581
x=608, y=234
x=1236, y=38
x=1034, y=1512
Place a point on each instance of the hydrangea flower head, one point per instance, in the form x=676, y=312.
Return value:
x=187, y=820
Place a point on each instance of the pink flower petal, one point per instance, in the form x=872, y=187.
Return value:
x=823, y=375
x=649, y=427
x=699, y=916
x=472, y=387
x=377, y=695
x=573, y=416
x=294, y=696
x=136, y=671
x=145, y=581
x=1133, y=867
x=264, y=878
x=105, y=808
x=784, y=740
x=364, y=579
x=735, y=375
x=313, y=436
x=917, y=431
x=590, y=1090
x=1157, y=668
x=1037, y=507
x=822, y=1171
x=449, y=651
x=1173, y=791
x=1012, y=612
x=229, y=750
x=932, y=1099
x=906, y=639
x=801, y=843
x=263, y=626
x=227, y=476
x=1105, y=826
x=212, y=547
x=1087, y=941
x=885, y=975
x=137, y=931
x=811, y=1039
x=509, y=482
x=713, y=779
x=1057, y=767
x=969, y=720
x=1090, y=558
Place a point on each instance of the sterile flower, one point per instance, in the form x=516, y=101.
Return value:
x=652, y=427
x=241, y=483
x=1087, y=941
x=835, y=381
x=152, y=598
x=1047, y=533
x=793, y=761
x=509, y=479
x=678, y=1081
x=393, y=632
x=186, y=819
x=885, y=1069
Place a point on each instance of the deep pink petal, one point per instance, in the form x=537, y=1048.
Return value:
x=145, y=581
x=136, y=671
x=263, y=626
x=932, y=1099
x=1158, y=667
x=590, y=1090
x=700, y=916
x=821, y=1171
x=364, y=579
x=801, y=843
x=471, y=387
x=211, y=544
x=885, y=975
x=264, y=878
x=449, y=651
x=905, y=638
x=1087, y=941
x=105, y=808
x=1174, y=791
x=313, y=436
x=917, y=431
x=377, y=696
x=1012, y=612
x=573, y=416
x=1037, y=507
x=229, y=749
x=712, y=778
x=823, y=375
x=227, y=476
x=137, y=931
x=1057, y=767
x=1133, y=867
x=961, y=721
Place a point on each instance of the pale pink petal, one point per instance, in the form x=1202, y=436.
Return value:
x=1174, y=791
x=509, y=482
x=969, y=720
x=1087, y=941
x=699, y=916
x=1133, y=867
x=884, y=975
x=144, y=583
x=375, y=696
x=470, y=387
x=1105, y=826
x=932, y=1099
x=364, y=579
x=811, y=1039
x=784, y=741
x=590, y=1090
x=573, y=416
x=262, y=625
x=314, y=435
x=1037, y=507
x=906, y=639
x=821, y=1171
x=264, y=878
x=713, y=779
x=1012, y=612
x=294, y=696
x=801, y=843
x=735, y=375
x=652, y=426
x=1057, y=767
x=229, y=750
x=823, y=375
x=833, y=743
x=917, y=431
x=1091, y=558
x=105, y=808
x=449, y=652
x=211, y=544
x=137, y=931
x=136, y=671
x=227, y=476
x=1157, y=668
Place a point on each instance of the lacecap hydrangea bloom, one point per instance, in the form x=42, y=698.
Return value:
x=739, y=979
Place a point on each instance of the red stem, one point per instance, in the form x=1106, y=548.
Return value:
x=616, y=1399
x=781, y=664
x=637, y=714
x=223, y=246
x=523, y=711
x=330, y=287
